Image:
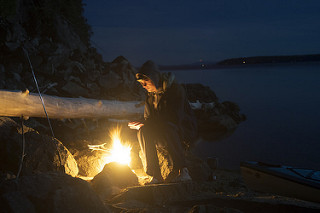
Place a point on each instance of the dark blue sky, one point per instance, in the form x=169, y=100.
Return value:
x=185, y=31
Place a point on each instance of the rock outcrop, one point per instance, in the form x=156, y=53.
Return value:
x=49, y=192
x=65, y=65
x=112, y=179
x=42, y=153
x=54, y=36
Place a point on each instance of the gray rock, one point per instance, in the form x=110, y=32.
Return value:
x=75, y=79
x=93, y=75
x=17, y=202
x=75, y=89
x=2, y=76
x=90, y=163
x=123, y=68
x=12, y=46
x=62, y=50
x=112, y=179
x=213, y=127
x=158, y=194
x=2, y=84
x=53, y=154
x=50, y=192
x=199, y=92
x=46, y=47
x=15, y=35
x=2, y=70
x=77, y=67
x=15, y=68
x=90, y=64
x=212, y=209
x=16, y=77
x=110, y=80
x=56, y=60
x=11, y=84
x=199, y=169
x=93, y=87
x=36, y=61
x=64, y=31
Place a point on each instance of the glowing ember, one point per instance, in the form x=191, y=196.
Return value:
x=117, y=153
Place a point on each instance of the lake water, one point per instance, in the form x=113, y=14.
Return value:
x=282, y=105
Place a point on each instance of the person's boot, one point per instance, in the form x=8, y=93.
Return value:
x=154, y=181
x=183, y=176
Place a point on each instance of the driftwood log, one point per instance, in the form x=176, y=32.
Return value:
x=18, y=103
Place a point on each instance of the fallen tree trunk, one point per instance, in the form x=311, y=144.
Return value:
x=17, y=103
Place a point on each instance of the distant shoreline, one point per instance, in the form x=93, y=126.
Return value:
x=248, y=62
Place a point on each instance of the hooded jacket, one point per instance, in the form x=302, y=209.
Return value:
x=169, y=107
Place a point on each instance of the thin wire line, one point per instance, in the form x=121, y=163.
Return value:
x=23, y=150
x=44, y=108
x=36, y=82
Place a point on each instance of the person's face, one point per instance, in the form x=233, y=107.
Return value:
x=148, y=84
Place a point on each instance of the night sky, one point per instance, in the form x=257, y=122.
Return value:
x=186, y=31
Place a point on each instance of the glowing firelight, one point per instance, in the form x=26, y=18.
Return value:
x=117, y=153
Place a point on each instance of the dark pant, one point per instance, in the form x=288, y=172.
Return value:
x=166, y=136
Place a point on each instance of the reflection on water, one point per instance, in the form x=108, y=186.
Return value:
x=282, y=107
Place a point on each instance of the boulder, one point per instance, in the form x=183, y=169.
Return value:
x=66, y=34
x=77, y=67
x=112, y=179
x=74, y=89
x=12, y=46
x=90, y=163
x=214, y=127
x=199, y=92
x=157, y=194
x=14, y=68
x=199, y=169
x=212, y=208
x=15, y=34
x=36, y=61
x=42, y=153
x=94, y=75
x=2, y=76
x=49, y=192
x=110, y=80
x=94, y=88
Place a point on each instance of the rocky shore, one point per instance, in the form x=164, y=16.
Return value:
x=42, y=173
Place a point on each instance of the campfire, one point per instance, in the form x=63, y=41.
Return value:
x=116, y=151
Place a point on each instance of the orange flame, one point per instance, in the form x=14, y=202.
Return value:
x=118, y=153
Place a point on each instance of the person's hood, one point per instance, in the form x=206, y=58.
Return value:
x=150, y=70
x=167, y=80
x=162, y=81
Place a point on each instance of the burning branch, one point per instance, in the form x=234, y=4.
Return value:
x=100, y=147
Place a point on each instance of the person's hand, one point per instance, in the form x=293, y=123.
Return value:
x=135, y=125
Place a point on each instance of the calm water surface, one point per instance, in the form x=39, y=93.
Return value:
x=282, y=107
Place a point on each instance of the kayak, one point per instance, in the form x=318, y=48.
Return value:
x=282, y=180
